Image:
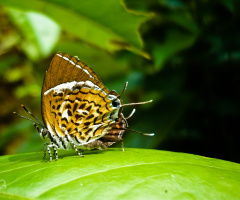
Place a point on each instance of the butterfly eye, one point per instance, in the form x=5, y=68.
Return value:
x=117, y=119
x=116, y=103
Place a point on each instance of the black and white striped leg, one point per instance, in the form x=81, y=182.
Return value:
x=49, y=151
x=75, y=148
x=54, y=147
x=55, y=151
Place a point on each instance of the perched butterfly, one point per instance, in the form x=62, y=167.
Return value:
x=78, y=111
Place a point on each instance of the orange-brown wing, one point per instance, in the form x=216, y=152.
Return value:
x=65, y=68
x=79, y=107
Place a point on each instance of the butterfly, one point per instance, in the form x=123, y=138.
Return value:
x=78, y=111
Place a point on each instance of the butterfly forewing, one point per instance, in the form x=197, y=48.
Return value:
x=74, y=101
x=65, y=68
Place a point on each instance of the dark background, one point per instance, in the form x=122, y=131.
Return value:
x=192, y=76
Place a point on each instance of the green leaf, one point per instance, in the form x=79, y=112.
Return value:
x=106, y=24
x=38, y=38
x=174, y=43
x=113, y=174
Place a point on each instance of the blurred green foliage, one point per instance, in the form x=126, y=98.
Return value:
x=184, y=55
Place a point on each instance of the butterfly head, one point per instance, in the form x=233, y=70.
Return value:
x=120, y=124
x=43, y=133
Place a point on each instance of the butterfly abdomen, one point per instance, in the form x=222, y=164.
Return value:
x=116, y=132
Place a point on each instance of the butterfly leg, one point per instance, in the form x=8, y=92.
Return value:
x=55, y=151
x=54, y=147
x=74, y=147
x=49, y=151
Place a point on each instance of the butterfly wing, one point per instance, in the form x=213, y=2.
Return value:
x=75, y=103
x=65, y=68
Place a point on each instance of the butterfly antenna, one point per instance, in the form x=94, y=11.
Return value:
x=28, y=119
x=127, y=129
x=32, y=115
x=131, y=104
x=125, y=118
x=131, y=114
x=125, y=87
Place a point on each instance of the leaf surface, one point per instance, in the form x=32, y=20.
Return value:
x=106, y=24
x=113, y=174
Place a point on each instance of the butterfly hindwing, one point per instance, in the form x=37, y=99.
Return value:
x=80, y=108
